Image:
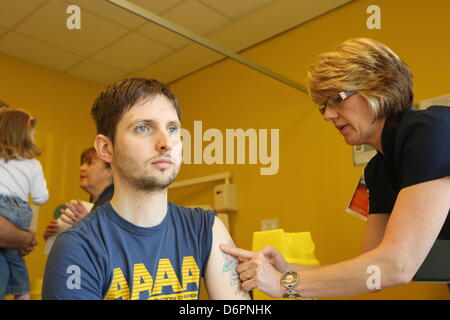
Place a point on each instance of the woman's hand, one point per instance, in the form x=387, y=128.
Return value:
x=276, y=259
x=52, y=229
x=258, y=270
x=73, y=213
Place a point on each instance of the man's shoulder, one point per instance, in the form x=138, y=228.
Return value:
x=193, y=216
x=191, y=211
x=88, y=237
x=90, y=226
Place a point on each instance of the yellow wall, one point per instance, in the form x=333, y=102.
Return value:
x=61, y=105
x=316, y=176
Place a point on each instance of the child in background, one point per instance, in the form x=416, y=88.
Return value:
x=21, y=175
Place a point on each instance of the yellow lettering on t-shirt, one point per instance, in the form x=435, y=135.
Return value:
x=119, y=287
x=142, y=281
x=166, y=276
x=190, y=272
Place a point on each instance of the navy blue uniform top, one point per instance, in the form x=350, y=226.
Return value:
x=105, y=256
x=104, y=197
x=415, y=151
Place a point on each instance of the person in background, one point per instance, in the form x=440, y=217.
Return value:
x=12, y=237
x=21, y=175
x=96, y=180
x=366, y=91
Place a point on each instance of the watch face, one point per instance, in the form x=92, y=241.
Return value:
x=290, y=278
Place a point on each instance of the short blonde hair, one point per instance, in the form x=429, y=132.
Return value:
x=16, y=140
x=366, y=66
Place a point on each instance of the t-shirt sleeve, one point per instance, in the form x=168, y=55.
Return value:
x=72, y=271
x=425, y=154
x=39, y=192
x=206, y=236
x=381, y=196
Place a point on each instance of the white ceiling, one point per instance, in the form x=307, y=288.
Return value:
x=113, y=43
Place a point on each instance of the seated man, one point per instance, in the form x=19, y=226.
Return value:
x=139, y=245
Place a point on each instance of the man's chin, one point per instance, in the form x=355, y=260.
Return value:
x=157, y=182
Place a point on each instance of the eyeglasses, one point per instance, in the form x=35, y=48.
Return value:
x=333, y=101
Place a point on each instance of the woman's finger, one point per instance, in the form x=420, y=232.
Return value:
x=72, y=208
x=237, y=252
x=249, y=285
x=245, y=276
x=67, y=219
x=245, y=266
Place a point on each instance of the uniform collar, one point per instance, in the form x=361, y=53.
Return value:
x=389, y=131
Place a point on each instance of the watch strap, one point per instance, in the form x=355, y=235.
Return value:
x=290, y=293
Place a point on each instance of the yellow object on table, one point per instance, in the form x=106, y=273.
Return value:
x=296, y=247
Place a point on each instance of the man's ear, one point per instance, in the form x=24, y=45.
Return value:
x=104, y=148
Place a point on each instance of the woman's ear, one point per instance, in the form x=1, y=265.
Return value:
x=104, y=148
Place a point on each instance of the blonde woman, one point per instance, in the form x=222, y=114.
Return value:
x=21, y=175
x=365, y=91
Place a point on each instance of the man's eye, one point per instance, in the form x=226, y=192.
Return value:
x=142, y=129
x=173, y=129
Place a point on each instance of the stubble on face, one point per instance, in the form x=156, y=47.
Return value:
x=139, y=177
x=140, y=157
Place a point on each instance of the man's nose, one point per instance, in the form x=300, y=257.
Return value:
x=164, y=143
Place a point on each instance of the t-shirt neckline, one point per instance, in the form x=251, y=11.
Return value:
x=131, y=227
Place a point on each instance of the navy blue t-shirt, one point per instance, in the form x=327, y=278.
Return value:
x=415, y=151
x=105, y=256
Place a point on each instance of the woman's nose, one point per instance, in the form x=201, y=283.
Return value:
x=330, y=113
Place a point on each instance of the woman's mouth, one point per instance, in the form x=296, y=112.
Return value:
x=341, y=128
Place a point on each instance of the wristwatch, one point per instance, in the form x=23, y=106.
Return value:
x=289, y=280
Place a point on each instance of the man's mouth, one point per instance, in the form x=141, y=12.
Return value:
x=162, y=163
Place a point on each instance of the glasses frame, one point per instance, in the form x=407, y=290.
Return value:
x=334, y=101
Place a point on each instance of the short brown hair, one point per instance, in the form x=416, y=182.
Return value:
x=117, y=99
x=16, y=140
x=368, y=67
x=89, y=154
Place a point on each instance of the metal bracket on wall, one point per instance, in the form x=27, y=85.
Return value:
x=152, y=17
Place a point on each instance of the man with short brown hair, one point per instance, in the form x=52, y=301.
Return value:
x=140, y=246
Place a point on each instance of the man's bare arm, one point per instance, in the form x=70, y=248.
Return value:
x=221, y=279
